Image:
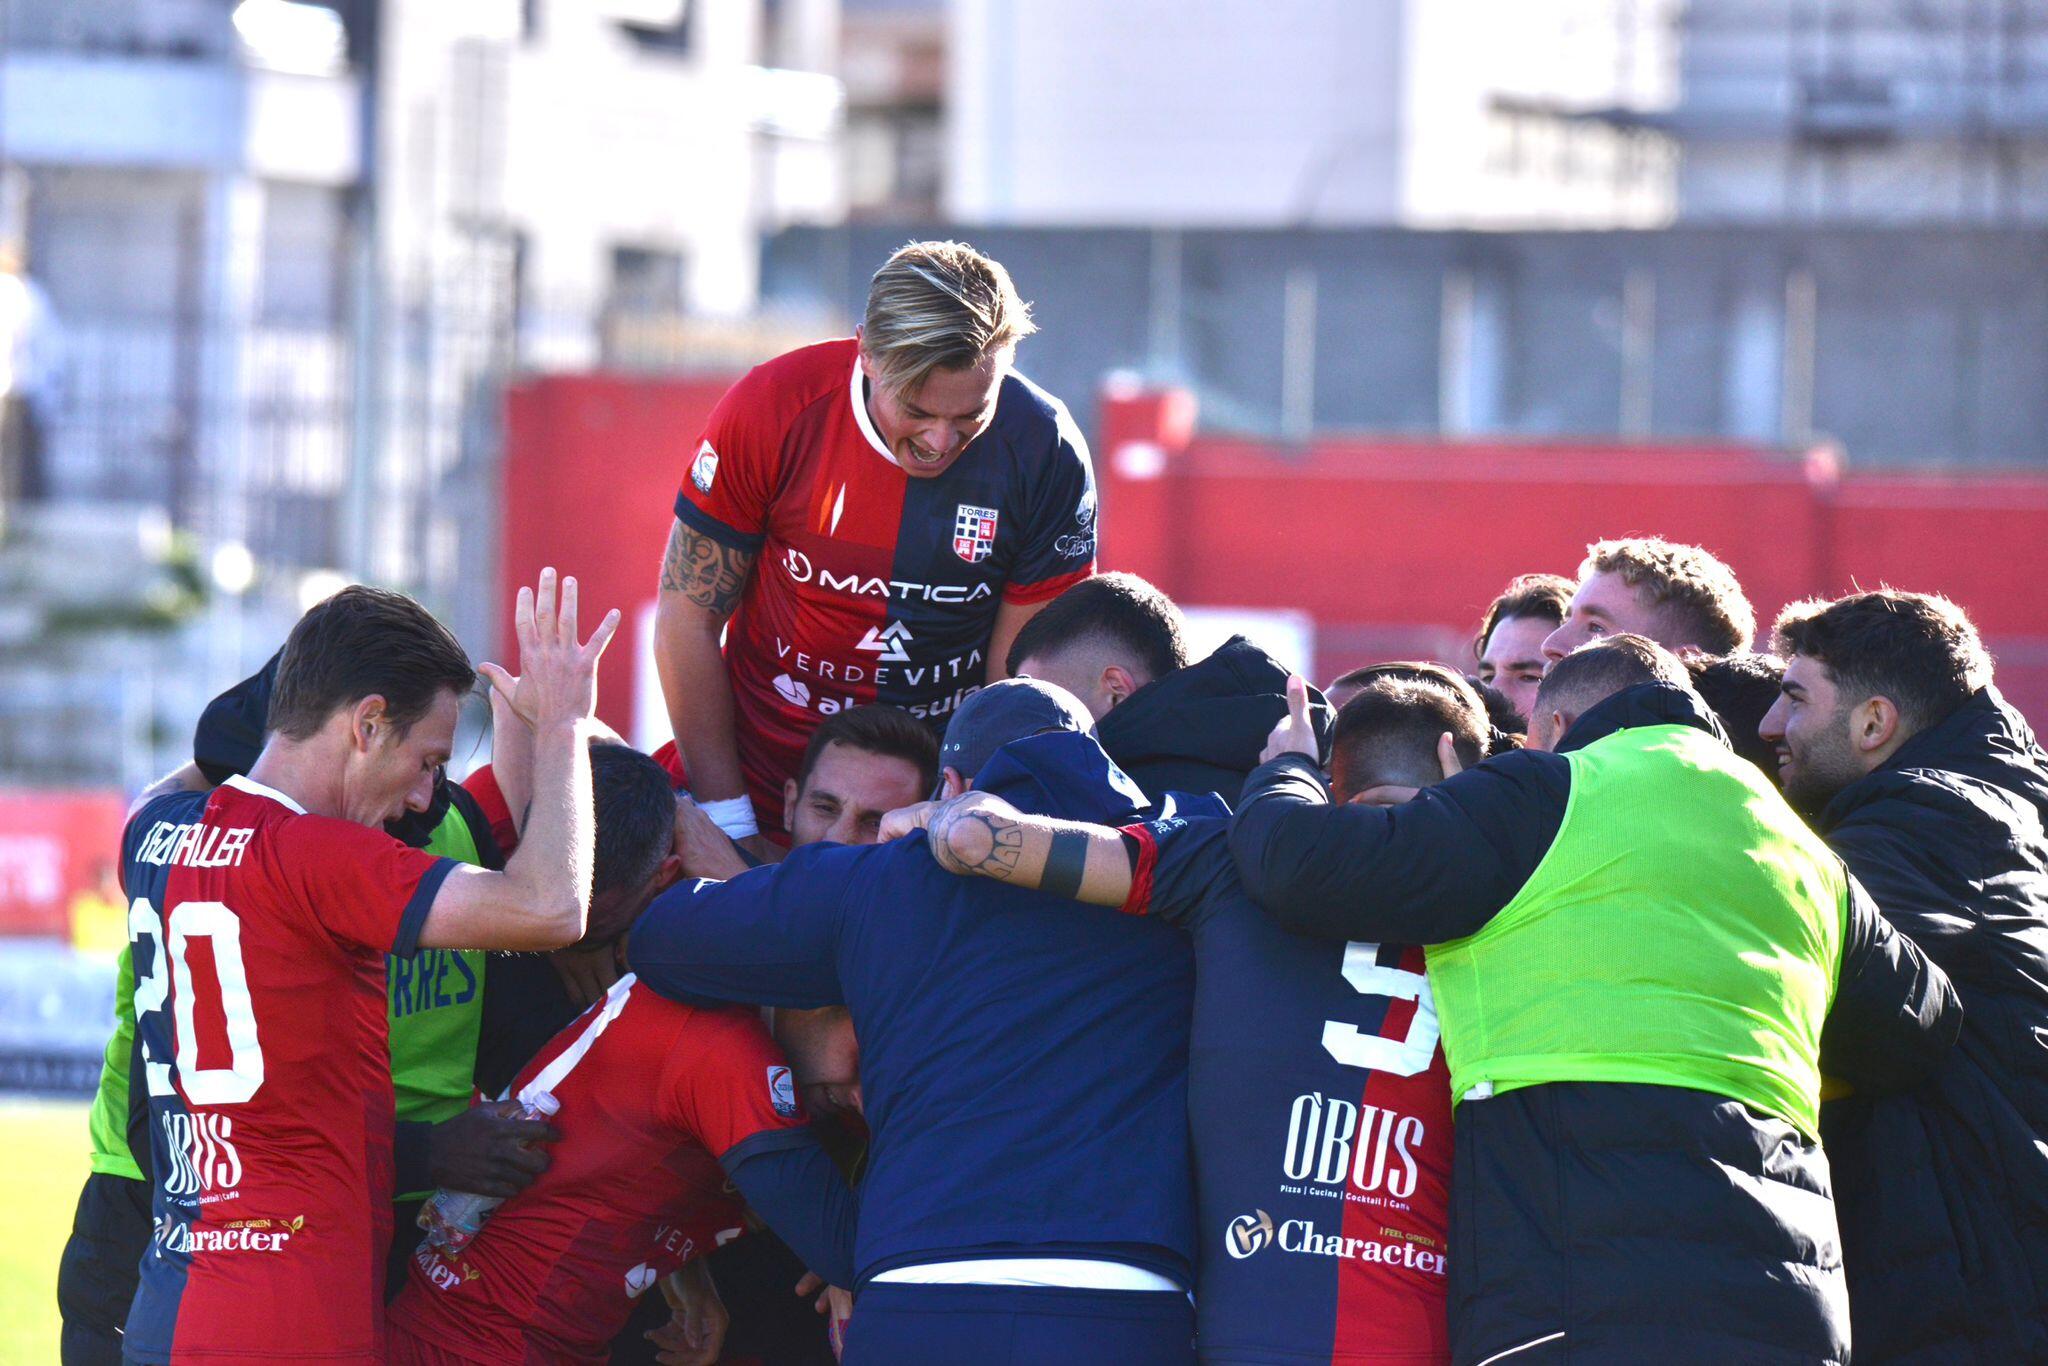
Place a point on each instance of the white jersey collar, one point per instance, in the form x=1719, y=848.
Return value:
x=255, y=789
x=860, y=414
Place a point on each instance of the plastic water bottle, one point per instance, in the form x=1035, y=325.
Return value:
x=452, y=1218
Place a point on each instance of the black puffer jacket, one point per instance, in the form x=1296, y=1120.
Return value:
x=1203, y=727
x=1943, y=1191
x=1600, y=1222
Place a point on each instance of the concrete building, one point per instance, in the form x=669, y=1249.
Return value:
x=1253, y=113
x=1869, y=111
x=282, y=254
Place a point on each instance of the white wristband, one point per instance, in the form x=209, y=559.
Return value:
x=733, y=815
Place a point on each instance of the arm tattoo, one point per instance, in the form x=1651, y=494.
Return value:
x=976, y=843
x=1064, y=864
x=704, y=571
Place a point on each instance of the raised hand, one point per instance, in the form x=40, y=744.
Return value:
x=1294, y=734
x=557, y=674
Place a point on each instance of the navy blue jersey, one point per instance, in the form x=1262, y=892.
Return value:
x=1321, y=1111
x=1023, y=1062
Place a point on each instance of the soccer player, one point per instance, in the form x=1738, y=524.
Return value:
x=666, y=1109
x=1317, y=1092
x=259, y=917
x=1027, y=1196
x=884, y=513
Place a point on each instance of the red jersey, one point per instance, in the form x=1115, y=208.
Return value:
x=870, y=585
x=655, y=1094
x=259, y=934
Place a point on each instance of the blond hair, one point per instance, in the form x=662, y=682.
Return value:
x=1698, y=596
x=939, y=305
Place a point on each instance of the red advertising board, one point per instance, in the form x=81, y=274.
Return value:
x=54, y=847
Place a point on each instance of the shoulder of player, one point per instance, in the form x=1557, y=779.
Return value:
x=168, y=808
x=791, y=382
x=1030, y=419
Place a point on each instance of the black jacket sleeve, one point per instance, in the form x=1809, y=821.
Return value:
x=800, y=1194
x=1895, y=1014
x=1435, y=869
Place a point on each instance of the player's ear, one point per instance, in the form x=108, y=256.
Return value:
x=367, y=722
x=789, y=791
x=668, y=872
x=952, y=784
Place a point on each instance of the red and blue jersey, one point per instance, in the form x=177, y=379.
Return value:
x=655, y=1095
x=259, y=934
x=1321, y=1112
x=870, y=585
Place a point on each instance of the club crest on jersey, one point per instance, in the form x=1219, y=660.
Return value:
x=704, y=468
x=782, y=1092
x=974, y=532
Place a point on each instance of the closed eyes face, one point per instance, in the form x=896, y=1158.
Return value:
x=846, y=795
x=399, y=772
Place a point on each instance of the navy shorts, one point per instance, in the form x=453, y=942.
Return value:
x=896, y=1324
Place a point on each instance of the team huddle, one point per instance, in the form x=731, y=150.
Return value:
x=979, y=978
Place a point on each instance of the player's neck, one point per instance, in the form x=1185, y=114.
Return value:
x=301, y=770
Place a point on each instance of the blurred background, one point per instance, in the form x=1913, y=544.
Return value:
x=1365, y=305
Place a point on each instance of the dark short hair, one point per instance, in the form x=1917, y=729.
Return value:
x=1547, y=597
x=1117, y=609
x=1918, y=649
x=874, y=729
x=635, y=816
x=1689, y=585
x=1601, y=668
x=1500, y=713
x=365, y=642
x=1388, y=732
x=1740, y=689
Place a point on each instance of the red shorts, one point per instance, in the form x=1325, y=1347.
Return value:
x=401, y=1348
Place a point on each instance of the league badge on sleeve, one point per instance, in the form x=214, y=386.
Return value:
x=704, y=468
x=974, y=532
x=782, y=1092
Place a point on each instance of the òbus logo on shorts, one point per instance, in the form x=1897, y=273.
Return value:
x=974, y=532
x=1248, y=1233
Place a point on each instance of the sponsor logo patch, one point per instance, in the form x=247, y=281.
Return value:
x=888, y=642
x=704, y=468
x=1248, y=1233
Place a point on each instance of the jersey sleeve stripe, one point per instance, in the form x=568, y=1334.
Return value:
x=1026, y=593
x=410, y=923
x=1144, y=863
x=698, y=520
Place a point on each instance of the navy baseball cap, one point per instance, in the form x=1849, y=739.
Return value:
x=1010, y=710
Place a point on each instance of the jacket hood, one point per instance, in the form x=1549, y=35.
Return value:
x=1216, y=711
x=1645, y=704
x=1984, y=742
x=1065, y=775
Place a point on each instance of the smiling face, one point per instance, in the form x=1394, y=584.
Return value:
x=389, y=773
x=1513, y=659
x=927, y=428
x=1813, y=734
